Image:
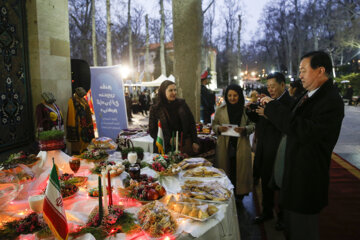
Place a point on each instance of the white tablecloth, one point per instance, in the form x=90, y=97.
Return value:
x=145, y=142
x=224, y=225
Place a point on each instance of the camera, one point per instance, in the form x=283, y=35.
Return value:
x=254, y=106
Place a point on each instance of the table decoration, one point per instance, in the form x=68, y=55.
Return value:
x=96, y=155
x=51, y=140
x=128, y=146
x=19, y=158
x=109, y=189
x=104, y=191
x=30, y=224
x=116, y=221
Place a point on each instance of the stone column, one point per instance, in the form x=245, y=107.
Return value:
x=187, y=28
x=49, y=50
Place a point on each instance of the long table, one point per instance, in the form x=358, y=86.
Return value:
x=224, y=225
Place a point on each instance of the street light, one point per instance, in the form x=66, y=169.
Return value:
x=253, y=74
x=124, y=71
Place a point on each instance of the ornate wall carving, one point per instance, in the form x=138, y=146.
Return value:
x=16, y=122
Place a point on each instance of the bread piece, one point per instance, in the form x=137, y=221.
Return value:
x=186, y=210
x=202, y=214
x=212, y=210
x=178, y=207
x=194, y=212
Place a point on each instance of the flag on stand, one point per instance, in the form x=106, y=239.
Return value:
x=53, y=210
x=160, y=139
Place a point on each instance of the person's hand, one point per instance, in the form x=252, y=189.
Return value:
x=239, y=129
x=260, y=111
x=195, y=147
x=265, y=100
x=222, y=128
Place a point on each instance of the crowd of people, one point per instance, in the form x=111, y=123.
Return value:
x=295, y=129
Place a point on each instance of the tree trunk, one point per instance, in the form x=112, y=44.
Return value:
x=238, y=48
x=188, y=27
x=299, y=35
x=147, y=60
x=93, y=33
x=108, y=34
x=162, y=36
x=131, y=64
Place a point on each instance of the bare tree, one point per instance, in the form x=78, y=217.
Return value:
x=93, y=33
x=162, y=36
x=147, y=60
x=131, y=63
x=108, y=34
x=238, y=47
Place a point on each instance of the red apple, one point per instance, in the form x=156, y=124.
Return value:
x=161, y=190
x=152, y=194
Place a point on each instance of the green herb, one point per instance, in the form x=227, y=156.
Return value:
x=51, y=135
x=99, y=233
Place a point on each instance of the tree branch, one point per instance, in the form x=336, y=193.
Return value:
x=208, y=7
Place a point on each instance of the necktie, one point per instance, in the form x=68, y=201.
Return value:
x=303, y=99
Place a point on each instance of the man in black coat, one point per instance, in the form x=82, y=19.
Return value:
x=312, y=129
x=267, y=143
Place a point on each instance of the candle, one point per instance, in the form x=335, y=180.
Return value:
x=177, y=142
x=132, y=157
x=109, y=189
x=103, y=178
x=100, y=202
x=172, y=141
x=181, y=142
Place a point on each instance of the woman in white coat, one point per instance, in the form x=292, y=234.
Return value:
x=233, y=154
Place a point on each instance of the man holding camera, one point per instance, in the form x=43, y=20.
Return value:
x=267, y=143
x=303, y=158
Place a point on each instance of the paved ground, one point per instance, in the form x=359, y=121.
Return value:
x=348, y=145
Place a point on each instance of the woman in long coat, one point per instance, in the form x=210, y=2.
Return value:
x=174, y=115
x=233, y=154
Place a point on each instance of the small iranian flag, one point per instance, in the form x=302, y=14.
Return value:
x=160, y=139
x=53, y=209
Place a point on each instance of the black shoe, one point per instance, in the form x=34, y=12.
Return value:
x=263, y=218
x=279, y=226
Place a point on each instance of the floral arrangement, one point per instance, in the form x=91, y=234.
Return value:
x=116, y=221
x=166, y=165
x=94, y=154
x=30, y=224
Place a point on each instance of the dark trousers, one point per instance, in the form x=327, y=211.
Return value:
x=301, y=226
x=267, y=196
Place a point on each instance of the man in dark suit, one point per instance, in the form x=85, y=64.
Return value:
x=303, y=158
x=267, y=143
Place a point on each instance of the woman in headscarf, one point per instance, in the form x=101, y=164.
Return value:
x=233, y=154
x=174, y=115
